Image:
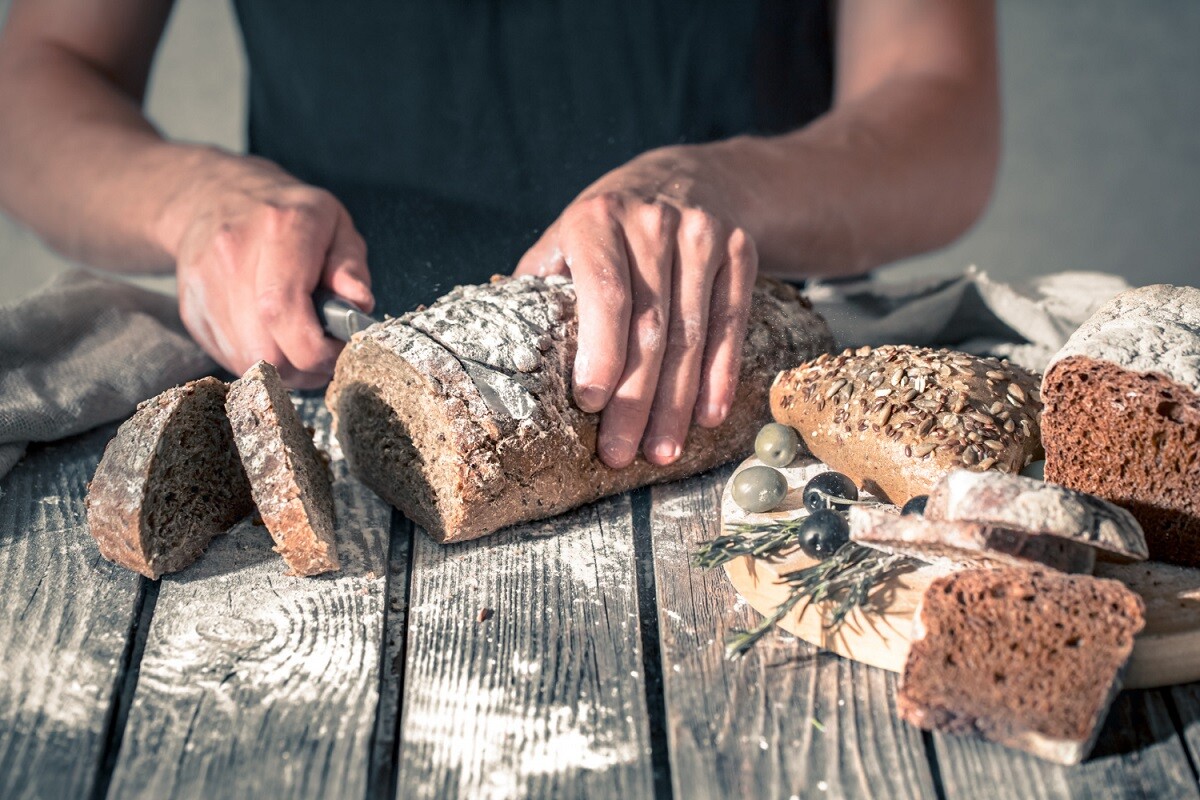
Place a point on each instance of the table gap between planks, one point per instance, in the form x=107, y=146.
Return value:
x=581, y=656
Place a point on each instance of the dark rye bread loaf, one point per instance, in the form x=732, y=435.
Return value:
x=461, y=415
x=169, y=481
x=289, y=481
x=966, y=543
x=1122, y=416
x=895, y=419
x=1030, y=659
x=1034, y=507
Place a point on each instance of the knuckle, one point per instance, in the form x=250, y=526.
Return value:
x=742, y=247
x=687, y=335
x=648, y=328
x=658, y=219
x=699, y=226
x=271, y=303
x=604, y=204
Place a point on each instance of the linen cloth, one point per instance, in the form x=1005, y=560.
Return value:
x=87, y=349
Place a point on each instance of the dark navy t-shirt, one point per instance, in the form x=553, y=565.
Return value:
x=456, y=130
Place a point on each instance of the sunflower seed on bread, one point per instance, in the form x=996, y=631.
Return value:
x=896, y=418
x=1035, y=507
x=962, y=543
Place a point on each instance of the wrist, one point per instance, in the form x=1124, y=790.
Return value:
x=187, y=173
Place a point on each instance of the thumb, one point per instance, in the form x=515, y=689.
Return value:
x=345, y=272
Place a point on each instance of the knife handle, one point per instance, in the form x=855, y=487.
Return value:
x=339, y=318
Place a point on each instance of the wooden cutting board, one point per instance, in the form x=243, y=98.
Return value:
x=1165, y=653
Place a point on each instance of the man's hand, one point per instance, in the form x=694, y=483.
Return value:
x=251, y=244
x=663, y=275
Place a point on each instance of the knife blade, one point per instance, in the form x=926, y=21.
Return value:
x=339, y=318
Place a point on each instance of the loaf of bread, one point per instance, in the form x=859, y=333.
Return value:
x=169, y=481
x=1122, y=414
x=1033, y=507
x=1030, y=659
x=461, y=416
x=895, y=419
x=288, y=480
x=962, y=543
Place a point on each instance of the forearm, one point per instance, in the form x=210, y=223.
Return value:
x=897, y=171
x=83, y=167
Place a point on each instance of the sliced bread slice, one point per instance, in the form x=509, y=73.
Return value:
x=289, y=481
x=1026, y=658
x=965, y=543
x=1036, y=507
x=169, y=481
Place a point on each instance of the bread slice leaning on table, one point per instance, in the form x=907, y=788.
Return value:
x=461, y=414
x=178, y=474
x=169, y=481
x=1028, y=658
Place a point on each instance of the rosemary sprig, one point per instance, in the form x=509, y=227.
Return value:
x=847, y=577
x=747, y=539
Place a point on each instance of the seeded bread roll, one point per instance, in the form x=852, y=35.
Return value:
x=897, y=418
x=1123, y=414
x=964, y=543
x=289, y=481
x=461, y=415
x=1036, y=507
x=169, y=481
x=1030, y=659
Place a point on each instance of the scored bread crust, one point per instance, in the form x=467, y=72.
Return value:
x=1122, y=414
x=966, y=543
x=461, y=415
x=142, y=509
x=896, y=418
x=289, y=481
x=1027, y=658
x=1036, y=507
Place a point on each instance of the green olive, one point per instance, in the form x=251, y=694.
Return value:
x=759, y=488
x=1035, y=469
x=776, y=444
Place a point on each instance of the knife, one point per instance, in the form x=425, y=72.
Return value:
x=339, y=318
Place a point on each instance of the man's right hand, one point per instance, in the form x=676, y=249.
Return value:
x=251, y=244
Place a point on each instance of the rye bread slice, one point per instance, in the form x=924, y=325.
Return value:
x=1123, y=414
x=1029, y=659
x=461, y=414
x=1035, y=507
x=964, y=543
x=169, y=481
x=289, y=480
x=896, y=418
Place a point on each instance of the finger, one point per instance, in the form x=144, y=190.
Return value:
x=545, y=257
x=675, y=397
x=651, y=250
x=733, y=290
x=346, y=273
x=290, y=263
x=595, y=252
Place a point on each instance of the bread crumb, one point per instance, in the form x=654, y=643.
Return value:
x=484, y=614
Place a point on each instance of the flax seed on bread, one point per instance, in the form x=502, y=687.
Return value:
x=896, y=418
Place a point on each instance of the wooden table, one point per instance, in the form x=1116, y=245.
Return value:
x=580, y=657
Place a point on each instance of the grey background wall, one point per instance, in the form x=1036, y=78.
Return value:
x=1102, y=139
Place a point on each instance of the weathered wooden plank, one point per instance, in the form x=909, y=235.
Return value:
x=65, y=625
x=523, y=666
x=387, y=722
x=1139, y=755
x=1186, y=699
x=254, y=684
x=785, y=720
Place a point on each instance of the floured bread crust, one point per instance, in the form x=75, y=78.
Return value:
x=461, y=415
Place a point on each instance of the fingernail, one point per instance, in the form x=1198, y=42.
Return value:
x=592, y=398
x=663, y=448
x=715, y=413
x=617, y=452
